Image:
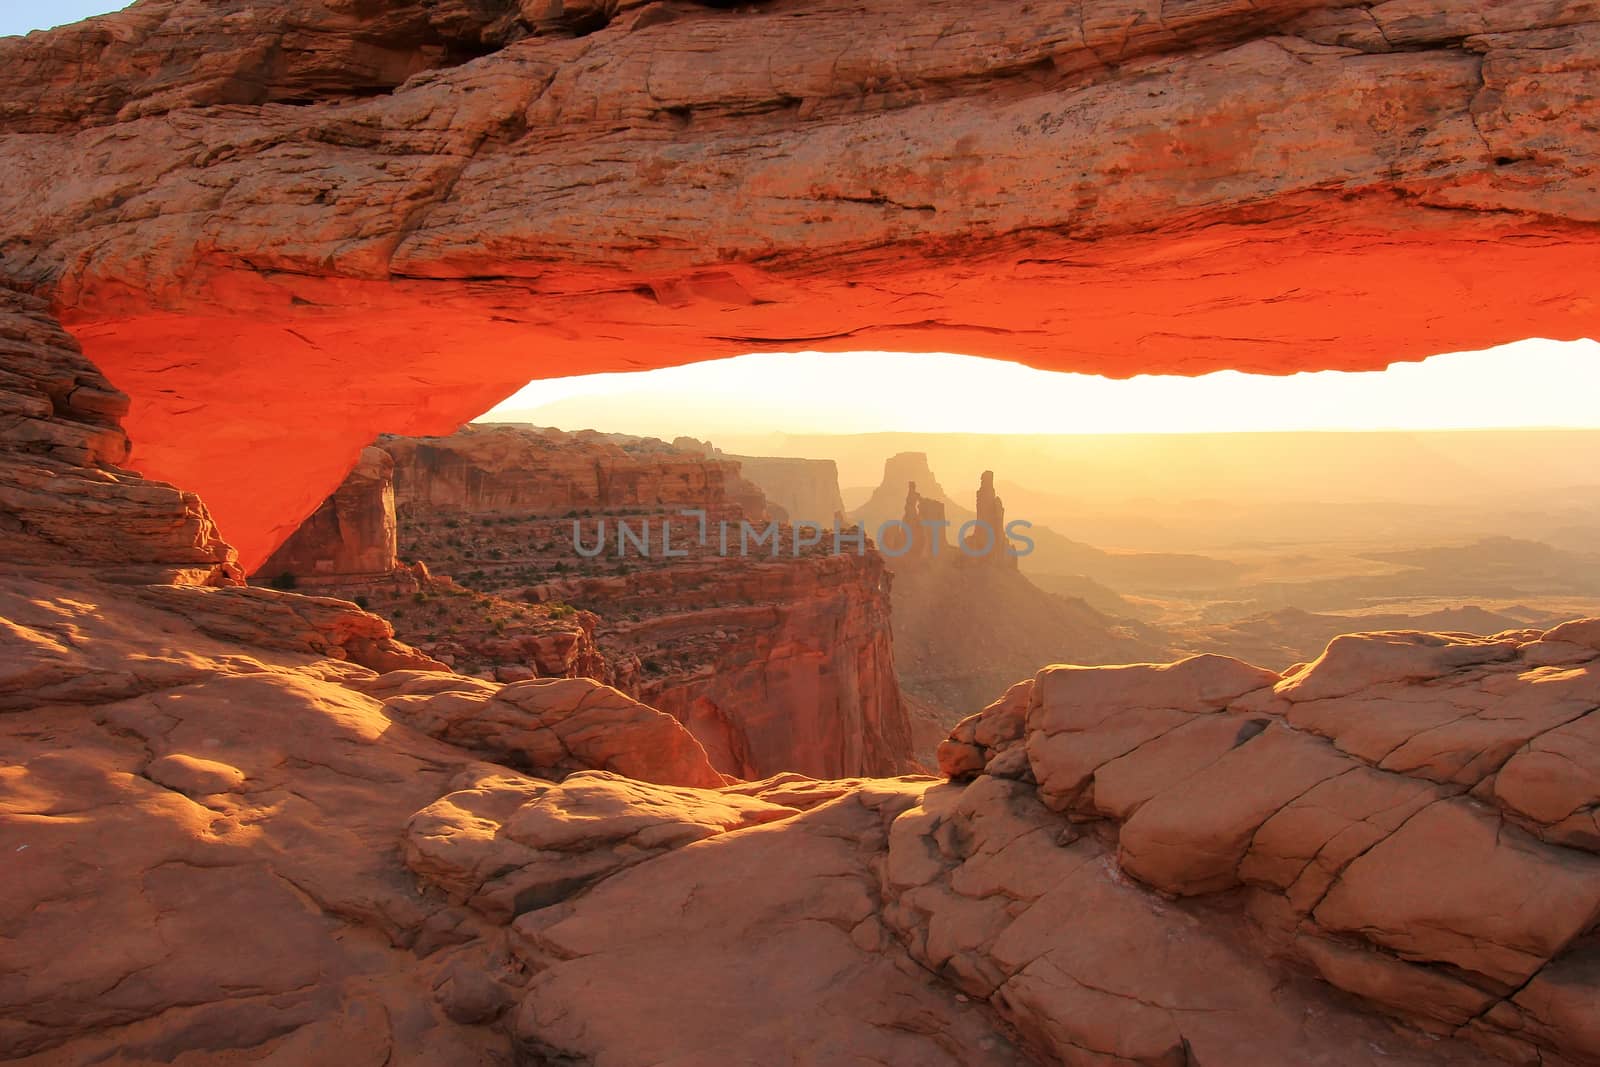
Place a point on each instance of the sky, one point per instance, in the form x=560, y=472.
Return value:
x=1529, y=384
x=20, y=16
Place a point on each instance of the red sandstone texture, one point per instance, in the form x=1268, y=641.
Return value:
x=1150, y=866
x=1411, y=816
x=353, y=533
x=365, y=229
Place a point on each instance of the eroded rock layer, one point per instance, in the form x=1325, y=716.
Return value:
x=352, y=535
x=363, y=233
x=65, y=499
x=1412, y=817
x=1140, y=866
x=775, y=660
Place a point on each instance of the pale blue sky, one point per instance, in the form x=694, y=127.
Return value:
x=20, y=16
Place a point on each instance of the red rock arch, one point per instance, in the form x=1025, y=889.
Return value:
x=280, y=248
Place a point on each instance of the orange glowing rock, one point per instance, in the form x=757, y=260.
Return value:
x=350, y=246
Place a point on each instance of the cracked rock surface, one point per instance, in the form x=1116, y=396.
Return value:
x=1410, y=818
x=237, y=845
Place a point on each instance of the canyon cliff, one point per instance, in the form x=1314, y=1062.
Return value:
x=902, y=472
x=774, y=661
x=441, y=201
x=806, y=490
x=500, y=469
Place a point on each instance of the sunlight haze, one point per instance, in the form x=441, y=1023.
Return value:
x=864, y=392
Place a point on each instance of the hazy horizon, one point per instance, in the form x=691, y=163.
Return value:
x=811, y=393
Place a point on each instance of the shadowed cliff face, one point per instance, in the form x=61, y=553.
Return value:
x=1102, y=186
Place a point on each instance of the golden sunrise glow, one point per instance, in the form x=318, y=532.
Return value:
x=1532, y=383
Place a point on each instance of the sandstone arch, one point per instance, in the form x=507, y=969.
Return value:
x=284, y=226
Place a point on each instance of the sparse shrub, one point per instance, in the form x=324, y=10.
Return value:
x=284, y=581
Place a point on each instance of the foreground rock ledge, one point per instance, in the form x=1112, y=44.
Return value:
x=304, y=226
x=1387, y=857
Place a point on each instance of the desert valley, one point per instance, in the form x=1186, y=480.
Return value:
x=350, y=715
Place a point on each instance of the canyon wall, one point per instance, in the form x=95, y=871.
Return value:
x=498, y=469
x=352, y=535
x=806, y=490
x=442, y=201
x=62, y=457
x=775, y=665
x=775, y=661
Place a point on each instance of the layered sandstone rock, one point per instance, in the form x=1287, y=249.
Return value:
x=1411, y=817
x=1301, y=184
x=499, y=470
x=776, y=660
x=806, y=489
x=774, y=666
x=409, y=902
x=775, y=663
x=62, y=451
x=205, y=829
x=348, y=547
x=1409, y=820
x=552, y=725
x=902, y=472
x=170, y=787
x=505, y=844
